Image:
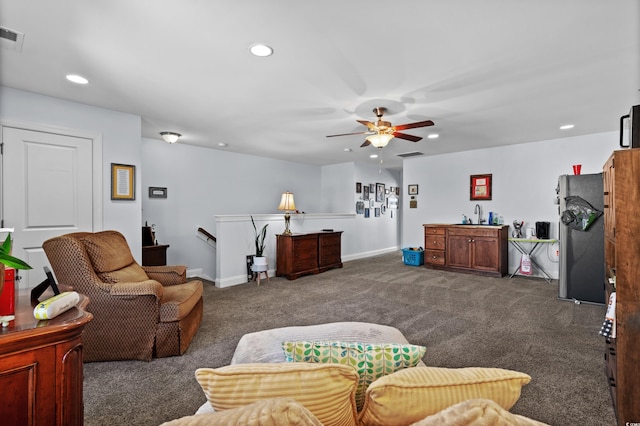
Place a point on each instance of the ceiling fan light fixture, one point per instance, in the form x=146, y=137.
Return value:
x=170, y=137
x=379, y=140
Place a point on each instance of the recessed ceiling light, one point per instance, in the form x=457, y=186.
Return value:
x=567, y=127
x=261, y=50
x=348, y=150
x=433, y=136
x=78, y=79
x=373, y=156
x=222, y=144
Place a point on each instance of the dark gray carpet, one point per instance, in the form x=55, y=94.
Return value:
x=463, y=320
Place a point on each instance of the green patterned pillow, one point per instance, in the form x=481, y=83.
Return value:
x=370, y=360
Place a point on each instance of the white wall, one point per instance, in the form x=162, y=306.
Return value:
x=120, y=144
x=203, y=183
x=525, y=177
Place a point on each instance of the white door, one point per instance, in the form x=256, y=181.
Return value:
x=47, y=186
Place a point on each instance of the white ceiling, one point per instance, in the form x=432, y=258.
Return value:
x=487, y=72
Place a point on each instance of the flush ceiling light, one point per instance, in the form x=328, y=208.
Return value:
x=170, y=137
x=261, y=50
x=347, y=150
x=373, y=156
x=567, y=127
x=433, y=136
x=222, y=144
x=78, y=79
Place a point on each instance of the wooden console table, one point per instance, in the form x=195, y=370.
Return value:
x=154, y=255
x=41, y=369
x=310, y=253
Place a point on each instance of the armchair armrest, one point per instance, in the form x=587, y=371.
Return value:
x=167, y=275
x=142, y=288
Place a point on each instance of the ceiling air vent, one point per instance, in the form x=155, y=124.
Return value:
x=410, y=154
x=10, y=39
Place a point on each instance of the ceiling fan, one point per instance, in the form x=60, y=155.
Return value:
x=381, y=132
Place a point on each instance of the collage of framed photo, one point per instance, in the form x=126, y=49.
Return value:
x=376, y=198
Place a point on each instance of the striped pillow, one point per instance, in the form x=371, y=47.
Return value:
x=370, y=360
x=326, y=390
x=409, y=395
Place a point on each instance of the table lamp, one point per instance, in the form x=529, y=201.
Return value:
x=287, y=204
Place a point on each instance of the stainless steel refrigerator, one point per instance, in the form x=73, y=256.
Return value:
x=581, y=276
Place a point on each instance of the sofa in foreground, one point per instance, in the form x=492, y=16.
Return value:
x=350, y=373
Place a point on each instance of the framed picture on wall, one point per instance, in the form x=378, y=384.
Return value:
x=413, y=189
x=123, y=182
x=480, y=187
x=358, y=188
x=380, y=192
x=365, y=193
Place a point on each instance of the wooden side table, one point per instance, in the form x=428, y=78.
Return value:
x=154, y=255
x=41, y=368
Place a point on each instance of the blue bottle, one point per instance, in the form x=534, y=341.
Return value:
x=490, y=222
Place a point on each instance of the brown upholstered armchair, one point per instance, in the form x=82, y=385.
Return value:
x=139, y=312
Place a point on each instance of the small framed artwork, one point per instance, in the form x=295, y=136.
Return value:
x=397, y=190
x=157, y=192
x=366, y=212
x=383, y=209
x=376, y=212
x=365, y=193
x=413, y=189
x=380, y=192
x=358, y=188
x=123, y=182
x=480, y=187
x=371, y=202
x=372, y=188
x=359, y=207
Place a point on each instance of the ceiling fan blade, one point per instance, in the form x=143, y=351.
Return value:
x=347, y=134
x=369, y=124
x=366, y=143
x=414, y=125
x=407, y=137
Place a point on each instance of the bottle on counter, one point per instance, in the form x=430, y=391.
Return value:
x=490, y=221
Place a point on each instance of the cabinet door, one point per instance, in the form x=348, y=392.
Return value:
x=459, y=251
x=28, y=383
x=486, y=253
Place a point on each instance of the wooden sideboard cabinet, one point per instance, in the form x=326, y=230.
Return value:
x=479, y=249
x=621, y=179
x=310, y=253
x=41, y=367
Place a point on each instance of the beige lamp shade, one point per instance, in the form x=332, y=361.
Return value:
x=286, y=202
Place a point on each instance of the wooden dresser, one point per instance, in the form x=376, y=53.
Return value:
x=41, y=367
x=621, y=177
x=310, y=253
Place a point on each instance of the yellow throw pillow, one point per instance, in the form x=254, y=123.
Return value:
x=268, y=412
x=475, y=412
x=412, y=394
x=327, y=390
x=370, y=360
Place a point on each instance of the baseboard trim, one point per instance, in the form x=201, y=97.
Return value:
x=242, y=279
